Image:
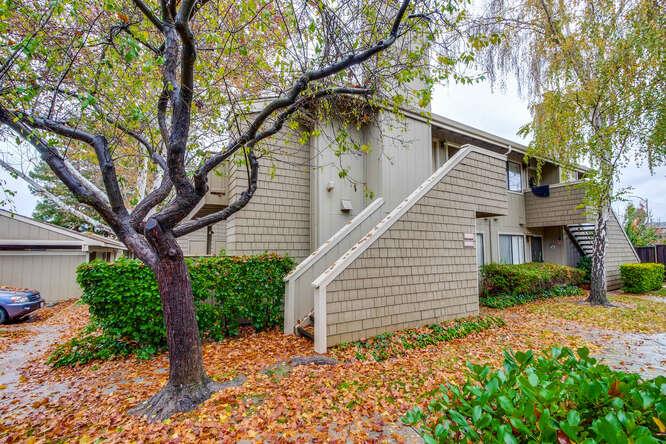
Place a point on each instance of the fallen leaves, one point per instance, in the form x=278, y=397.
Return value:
x=631, y=313
x=353, y=400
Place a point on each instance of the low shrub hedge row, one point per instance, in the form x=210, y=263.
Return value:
x=639, y=278
x=388, y=345
x=126, y=312
x=530, y=278
x=509, y=300
x=556, y=397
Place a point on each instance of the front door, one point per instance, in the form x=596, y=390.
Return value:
x=537, y=249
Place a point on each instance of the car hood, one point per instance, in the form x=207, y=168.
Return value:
x=8, y=291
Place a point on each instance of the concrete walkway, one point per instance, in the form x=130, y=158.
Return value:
x=17, y=392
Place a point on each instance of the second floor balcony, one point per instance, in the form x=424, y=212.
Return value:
x=556, y=205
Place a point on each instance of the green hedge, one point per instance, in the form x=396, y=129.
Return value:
x=125, y=306
x=530, y=278
x=639, y=278
x=555, y=397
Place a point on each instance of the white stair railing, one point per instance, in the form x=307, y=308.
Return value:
x=298, y=283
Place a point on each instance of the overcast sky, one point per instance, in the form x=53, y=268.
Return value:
x=503, y=112
x=498, y=112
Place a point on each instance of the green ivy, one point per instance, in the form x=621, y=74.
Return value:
x=388, y=345
x=510, y=300
x=556, y=397
x=639, y=278
x=126, y=312
x=530, y=278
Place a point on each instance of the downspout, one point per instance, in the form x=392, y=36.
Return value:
x=490, y=238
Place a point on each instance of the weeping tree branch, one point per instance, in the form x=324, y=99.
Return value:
x=55, y=199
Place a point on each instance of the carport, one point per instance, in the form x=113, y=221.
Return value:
x=44, y=257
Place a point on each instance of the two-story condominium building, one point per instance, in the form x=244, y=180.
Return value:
x=399, y=240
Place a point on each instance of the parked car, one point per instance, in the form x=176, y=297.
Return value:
x=17, y=303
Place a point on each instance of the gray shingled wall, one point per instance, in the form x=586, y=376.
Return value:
x=418, y=271
x=277, y=219
x=560, y=208
x=618, y=252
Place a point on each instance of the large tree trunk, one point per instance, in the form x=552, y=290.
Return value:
x=598, y=273
x=188, y=384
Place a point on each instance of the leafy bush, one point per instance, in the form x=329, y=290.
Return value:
x=509, y=300
x=639, y=278
x=388, y=345
x=556, y=397
x=530, y=278
x=585, y=264
x=125, y=305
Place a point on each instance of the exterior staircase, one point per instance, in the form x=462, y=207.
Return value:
x=393, y=268
x=582, y=236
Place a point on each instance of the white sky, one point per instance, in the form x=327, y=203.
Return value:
x=504, y=112
x=498, y=112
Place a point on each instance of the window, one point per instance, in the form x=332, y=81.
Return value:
x=512, y=249
x=514, y=177
x=479, y=250
x=438, y=154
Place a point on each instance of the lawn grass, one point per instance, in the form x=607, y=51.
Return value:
x=632, y=313
x=660, y=292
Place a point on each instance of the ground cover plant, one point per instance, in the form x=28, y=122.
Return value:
x=510, y=300
x=559, y=396
x=641, y=278
x=630, y=313
x=126, y=313
x=388, y=345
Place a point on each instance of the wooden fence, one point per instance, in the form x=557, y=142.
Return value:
x=655, y=253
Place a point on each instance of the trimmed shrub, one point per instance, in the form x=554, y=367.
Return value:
x=530, y=278
x=556, y=397
x=639, y=278
x=125, y=305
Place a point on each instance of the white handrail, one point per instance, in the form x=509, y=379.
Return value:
x=294, y=299
x=320, y=284
x=333, y=240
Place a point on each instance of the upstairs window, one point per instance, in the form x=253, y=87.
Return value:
x=513, y=176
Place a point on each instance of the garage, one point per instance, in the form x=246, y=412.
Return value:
x=44, y=257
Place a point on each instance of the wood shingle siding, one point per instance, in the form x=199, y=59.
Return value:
x=277, y=219
x=417, y=271
x=560, y=208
